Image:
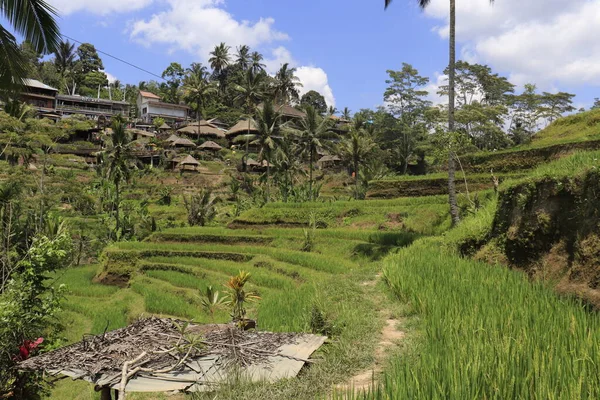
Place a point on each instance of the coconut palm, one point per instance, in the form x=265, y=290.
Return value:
x=311, y=130
x=346, y=114
x=332, y=110
x=454, y=212
x=286, y=85
x=250, y=93
x=268, y=125
x=257, y=65
x=219, y=58
x=355, y=148
x=34, y=21
x=243, y=58
x=64, y=57
x=196, y=89
x=118, y=162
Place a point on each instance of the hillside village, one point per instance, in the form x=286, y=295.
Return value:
x=220, y=233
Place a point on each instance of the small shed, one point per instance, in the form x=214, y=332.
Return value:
x=158, y=355
x=210, y=145
x=329, y=161
x=183, y=142
x=189, y=163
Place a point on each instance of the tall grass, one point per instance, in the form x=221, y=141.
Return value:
x=489, y=333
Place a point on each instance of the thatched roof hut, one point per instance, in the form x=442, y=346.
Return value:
x=173, y=138
x=210, y=145
x=286, y=110
x=183, y=142
x=202, y=130
x=329, y=161
x=164, y=127
x=241, y=128
x=140, y=133
x=252, y=163
x=155, y=344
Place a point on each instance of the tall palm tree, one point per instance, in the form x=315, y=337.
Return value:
x=219, y=58
x=64, y=57
x=250, y=93
x=257, y=64
x=243, y=57
x=355, y=148
x=118, y=167
x=196, y=89
x=346, y=114
x=332, y=110
x=286, y=85
x=268, y=125
x=34, y=21
x=454, y=212
x=311, y=130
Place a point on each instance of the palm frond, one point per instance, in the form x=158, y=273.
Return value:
x=13, y=67
x=34, y=20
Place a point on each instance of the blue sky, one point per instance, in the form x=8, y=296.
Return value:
x=343, y=48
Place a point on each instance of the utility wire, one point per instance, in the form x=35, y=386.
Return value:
x=117, y=58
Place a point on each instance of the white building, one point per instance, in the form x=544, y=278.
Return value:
x=150, y=107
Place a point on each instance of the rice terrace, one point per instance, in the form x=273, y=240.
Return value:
x=221, y=230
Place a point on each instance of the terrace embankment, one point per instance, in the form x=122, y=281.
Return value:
x=549, y=228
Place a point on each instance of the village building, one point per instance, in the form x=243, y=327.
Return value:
x=41, y=97
x=150, y=107
x=93, y=108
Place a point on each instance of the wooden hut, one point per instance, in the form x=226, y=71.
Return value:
x=188, y=163
x=182, y=142
x=164, y=127
x=141, y=134
x=203, y=130
x=329, y=161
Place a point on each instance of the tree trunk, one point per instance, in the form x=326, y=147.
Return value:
x=355, y=178
x=268, y=179
x=310, y=179
x=118, y=222
x=451, y=67
x=105, y=393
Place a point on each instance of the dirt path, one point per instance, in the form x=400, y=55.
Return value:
x=390, y=336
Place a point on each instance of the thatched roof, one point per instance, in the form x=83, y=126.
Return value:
x=141, y=132
x=329, y=159
x=210, y=145
x=164, y=126
x=286, y=110
x=189, y=160
x=173, y=138
x=204, y=130
x=100, y=359
x=183, y=142
x=252, y=163
x=242, y=127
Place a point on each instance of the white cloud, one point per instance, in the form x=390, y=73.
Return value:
x=433, y=87
x=196, y=26
x=313, y=78
x=111, y=78
x=548, y=42
x=279, y=56
x=100, y=7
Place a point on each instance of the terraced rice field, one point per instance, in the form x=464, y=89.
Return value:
x=166, y=274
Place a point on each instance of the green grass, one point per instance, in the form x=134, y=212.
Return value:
x=488, y=333
x=577, y=127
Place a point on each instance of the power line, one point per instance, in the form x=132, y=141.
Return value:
x=117, y=58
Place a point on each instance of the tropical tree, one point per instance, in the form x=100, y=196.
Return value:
x=286, y=84
x=314, y=99
x=268, y=125
x=34, y=21
x=257, y=64
x=201, y=207
x=310, y=133
x=118, y=163
x=249, y=94
x=332, y=110
x=346, y=114
x=219, y=60
x=355, y=148
x=454, y=211
x=243, y=58
x=196, y=89
x=64, y=59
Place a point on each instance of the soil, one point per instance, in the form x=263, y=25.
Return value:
x=121, y=281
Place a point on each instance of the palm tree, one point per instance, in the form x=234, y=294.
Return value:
x=250, y=93
x=454, y=212
x=355, y=149
x=219, y=61
x=64, y=57
x=332, y=110
x=257, y=65
x=312, y=129
x=268, y=125
x=118, y=168
x=243, y=57
x=286, y=85
x=201, y=207
x=196, y=88
x=346, y=114
x=34, y=21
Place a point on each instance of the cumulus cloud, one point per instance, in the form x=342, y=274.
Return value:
x=313, y=78
x=548, y=42
x=197, y=26
x=100, y=7
x=111, y=78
